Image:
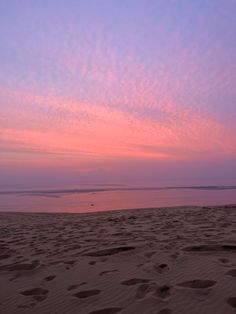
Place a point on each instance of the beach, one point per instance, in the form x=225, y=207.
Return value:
x=147, y=261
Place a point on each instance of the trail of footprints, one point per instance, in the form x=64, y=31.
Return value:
x=144, y=288
x=36, y=294
x=149, y=287
x=13, y=250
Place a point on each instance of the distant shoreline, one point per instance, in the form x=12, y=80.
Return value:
x=110, y=211
x=38, y=192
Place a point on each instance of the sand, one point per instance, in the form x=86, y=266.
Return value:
x=167, y=260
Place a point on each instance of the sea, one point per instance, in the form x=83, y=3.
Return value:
x=92, y=198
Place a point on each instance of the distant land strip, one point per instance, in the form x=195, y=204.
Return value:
x=54, y=192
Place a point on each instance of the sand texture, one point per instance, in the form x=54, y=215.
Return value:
x=154, y=261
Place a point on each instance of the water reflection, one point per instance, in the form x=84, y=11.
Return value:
x=97, y=200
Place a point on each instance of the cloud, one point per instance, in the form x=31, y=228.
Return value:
x=79, y=131
x=95, y=94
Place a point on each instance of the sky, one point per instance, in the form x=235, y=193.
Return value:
x=131, y=92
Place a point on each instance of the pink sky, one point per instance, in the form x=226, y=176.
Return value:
x=102, y=91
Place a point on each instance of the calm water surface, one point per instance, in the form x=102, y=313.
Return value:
x=98, y=199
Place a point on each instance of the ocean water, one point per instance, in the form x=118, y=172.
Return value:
x=102, y=198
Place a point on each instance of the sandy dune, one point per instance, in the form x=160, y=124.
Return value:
x=154, y=261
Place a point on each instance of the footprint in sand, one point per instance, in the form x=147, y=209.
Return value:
x=108, y=310
x=107, y=272
x=197, y=284
x=134, y=281
x=86, y=293
x=72, y=287
x=50, y=277
x=21, y=266
x=231, y=272
x=157, y=291
x=232, y=301
x=162, y=292
x=161, y=268
x=35, y=291
x=211, y=248
x=111, y=251
x=39, y=294
x=223, y=260
x=4, y=256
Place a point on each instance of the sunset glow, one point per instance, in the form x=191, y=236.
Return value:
x=112, y=87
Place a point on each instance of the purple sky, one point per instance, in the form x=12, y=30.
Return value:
x=139, y=92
